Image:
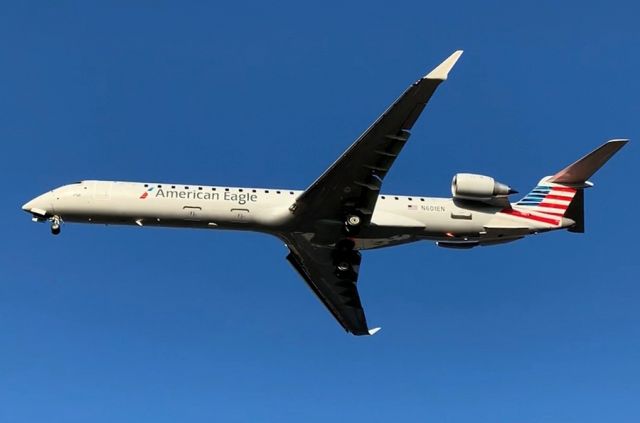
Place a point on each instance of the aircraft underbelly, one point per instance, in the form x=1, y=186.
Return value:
x=168, y=212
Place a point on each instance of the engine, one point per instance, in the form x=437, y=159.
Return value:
x=468, y=186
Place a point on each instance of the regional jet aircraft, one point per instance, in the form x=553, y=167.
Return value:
x=343, y=212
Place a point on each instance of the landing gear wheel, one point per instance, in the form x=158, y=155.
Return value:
x=55, y=225
x=353, y=220
x=346, y=260
x=343, y=266
x=352, y=224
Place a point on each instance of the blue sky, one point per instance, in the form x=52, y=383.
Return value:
x=127, y=324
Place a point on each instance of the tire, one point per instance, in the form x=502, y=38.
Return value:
x=343, y=266
x=353, y=220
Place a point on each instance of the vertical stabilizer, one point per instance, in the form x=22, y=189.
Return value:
x=549, y=198
x=562, y=195
x=575, y=212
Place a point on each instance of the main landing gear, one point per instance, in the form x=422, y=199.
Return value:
x=346, y=259
x=352, y=223
x=56, y=222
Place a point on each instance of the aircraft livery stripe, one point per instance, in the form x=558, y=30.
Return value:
x=560, y=202
x=553, y=206
x=550, y=213
x=563, y=193
x=565, y=189
x=517, y=213
x=551, y=209
x=558, y=197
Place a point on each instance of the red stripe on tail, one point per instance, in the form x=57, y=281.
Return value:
x=553, y=206
x=518, y=213
x=564, y=189
x=558, y=197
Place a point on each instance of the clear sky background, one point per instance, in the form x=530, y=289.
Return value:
x=123, y=324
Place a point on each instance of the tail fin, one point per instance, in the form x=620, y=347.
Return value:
x=549, y=198
x=575, y=212
x=562, y=195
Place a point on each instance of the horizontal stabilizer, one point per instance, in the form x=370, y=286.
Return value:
x=580, y=171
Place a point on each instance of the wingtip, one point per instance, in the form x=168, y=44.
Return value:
x=442, y=70
x=374, y=331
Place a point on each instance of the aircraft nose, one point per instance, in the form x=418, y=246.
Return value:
x=40, y=205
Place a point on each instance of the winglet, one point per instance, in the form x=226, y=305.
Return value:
x=374, y=331
x=442, y=70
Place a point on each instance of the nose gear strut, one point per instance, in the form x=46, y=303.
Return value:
x=56, y=222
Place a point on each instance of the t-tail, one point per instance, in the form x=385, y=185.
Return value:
x=560, y=198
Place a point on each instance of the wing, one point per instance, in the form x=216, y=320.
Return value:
x=335, y=288
x=353, y=182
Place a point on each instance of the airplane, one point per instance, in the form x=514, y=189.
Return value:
x=343, y=212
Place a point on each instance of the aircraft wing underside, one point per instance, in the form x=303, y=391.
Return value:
x=337, y=291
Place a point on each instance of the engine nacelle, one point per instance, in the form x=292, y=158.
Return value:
x=468, y=186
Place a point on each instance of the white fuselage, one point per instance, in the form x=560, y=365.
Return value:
x=396, y=219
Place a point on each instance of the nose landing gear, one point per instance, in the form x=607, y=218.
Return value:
x=56, y=222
